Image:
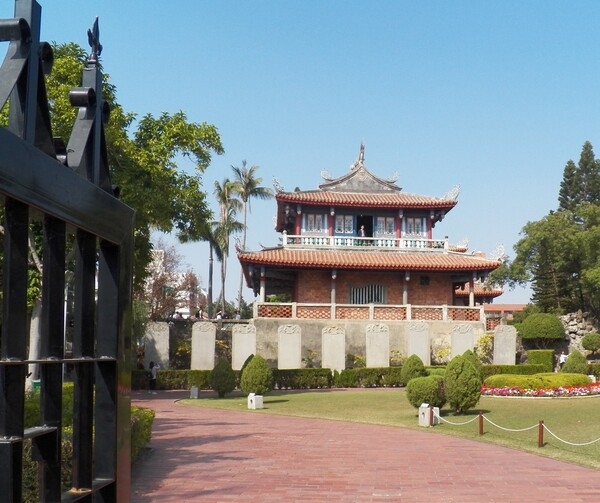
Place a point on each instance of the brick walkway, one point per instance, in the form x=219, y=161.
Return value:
x=209, y=455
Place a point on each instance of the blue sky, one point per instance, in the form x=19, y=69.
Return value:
x=494, y=96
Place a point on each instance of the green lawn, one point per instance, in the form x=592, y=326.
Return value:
x=574, y=420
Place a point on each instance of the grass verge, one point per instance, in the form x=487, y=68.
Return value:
x=572, y=420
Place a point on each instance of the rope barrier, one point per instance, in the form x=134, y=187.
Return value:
x=509, y=429
x=571, y=443
x=541, y=426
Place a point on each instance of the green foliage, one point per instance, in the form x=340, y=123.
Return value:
x=537, y=381
x=541, y=329
x=470, y=356
x=462, y=384
x=591, y=342
x=391, y=377
x=307, y=378
x=199, y=378
x=397, y=358
x=245, y=364
x=355, y=361
x=484, y=348
x=257, y=377
x=222, y=378
x=346, y=379
x=575, y=364
x=428, y=390
x=440, y=352
x=544, y=357
x=594, y=369
x=413, y=367
x=142, y=420
x=311, y=360
x=181, y=358
x=526, y=369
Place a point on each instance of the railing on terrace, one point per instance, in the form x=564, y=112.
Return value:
x=408, y=312
x=404, y=243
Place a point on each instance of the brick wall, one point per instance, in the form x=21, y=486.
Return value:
x=315, y=287
x=437, y=292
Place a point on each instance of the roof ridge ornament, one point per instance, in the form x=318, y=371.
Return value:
x=326, y=176
x=453, y=193
x=277, y=185
x=360, y=162
x=498, y=253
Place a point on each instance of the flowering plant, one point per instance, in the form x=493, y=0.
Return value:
x=560, y=391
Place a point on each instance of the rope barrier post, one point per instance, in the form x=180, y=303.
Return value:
x=480, y=423
x=541, y=434
x=430, y=417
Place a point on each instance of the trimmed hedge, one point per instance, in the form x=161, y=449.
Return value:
x=309, y=378
x=526, y=369
x=537, y=381
x=543, y=357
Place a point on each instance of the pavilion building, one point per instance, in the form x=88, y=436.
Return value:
x=360, y=248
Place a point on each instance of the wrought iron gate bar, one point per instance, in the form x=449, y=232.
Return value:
x=70, y=193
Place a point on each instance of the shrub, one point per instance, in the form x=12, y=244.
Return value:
x=222, y=378
x=484, y=348
x=536, y=381
x=541, y=329
x=413, y=367
x=306, y=378
x=526, y=369
x=392, y=377
x=347, y=378
x=544, y=357
x=462, y=384
x=141, y=430
x=428, y=390
x=472, y=357
x=257, y=377
x=396, y=358
x=575, y=364
x=591, y=342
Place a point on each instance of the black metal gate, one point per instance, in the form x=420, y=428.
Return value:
x=69, y=195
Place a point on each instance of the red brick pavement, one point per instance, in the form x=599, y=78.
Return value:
x=209, y=455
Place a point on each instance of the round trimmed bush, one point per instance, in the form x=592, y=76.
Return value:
x=222, y=378
x=591, y=342
x=257, y=377
x=413, y=367
x=428, y=390
x=541, y=329
x=462, y=384
x=575, y=364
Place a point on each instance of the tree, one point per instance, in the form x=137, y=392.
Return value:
x=541, y=329
x=413, y=367
x=167, y=287
x=575, y=364
x=462, y=384
x=226, y=226
x=591, y=342
x=257, y=377
x=247, y=186
x=143, y=165
x=222, y=378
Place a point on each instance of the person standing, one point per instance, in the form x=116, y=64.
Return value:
x=152, y=373
x=562, y=359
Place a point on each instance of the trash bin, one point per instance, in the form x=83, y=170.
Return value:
x=194, y=393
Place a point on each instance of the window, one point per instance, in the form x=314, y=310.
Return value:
x=368, y=294
x=414, y=225
x=344, y=224
x=385, y=226
x=316, y=222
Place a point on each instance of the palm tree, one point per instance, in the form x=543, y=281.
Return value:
x=227, y=224
x=247, y=186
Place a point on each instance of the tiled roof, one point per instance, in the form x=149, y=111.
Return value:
x=479, y=291
x=370, y=260
x=355, y=199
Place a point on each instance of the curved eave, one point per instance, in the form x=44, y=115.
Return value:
x=398, y=200
x=367, y=260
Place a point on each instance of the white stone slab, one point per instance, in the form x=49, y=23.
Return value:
x=289, y=347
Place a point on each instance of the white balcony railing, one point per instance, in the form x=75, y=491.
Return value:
x=404, y=243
